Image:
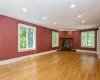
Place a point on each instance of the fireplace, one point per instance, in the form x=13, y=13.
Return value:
x=66, y=44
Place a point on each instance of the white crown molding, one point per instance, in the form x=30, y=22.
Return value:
x=77, y=29
x=67, y=30
x=25, y=20
x=3, y=62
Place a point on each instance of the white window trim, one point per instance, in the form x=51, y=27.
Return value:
x=87, y=38
x=34, y=40
x=57, y=41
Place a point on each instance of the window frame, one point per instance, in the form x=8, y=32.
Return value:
x=34, y=38
x=57, y=35
x=87, y=40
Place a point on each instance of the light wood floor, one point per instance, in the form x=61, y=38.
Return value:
x=54, y=66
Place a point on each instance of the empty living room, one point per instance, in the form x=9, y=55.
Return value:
x=49, y=39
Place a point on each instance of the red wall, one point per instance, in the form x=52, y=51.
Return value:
x=65, y=34
x=76, y=39
x=9, y=38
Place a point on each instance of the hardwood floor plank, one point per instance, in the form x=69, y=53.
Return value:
x=54, y=66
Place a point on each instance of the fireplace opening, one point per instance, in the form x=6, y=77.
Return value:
x=66, y=45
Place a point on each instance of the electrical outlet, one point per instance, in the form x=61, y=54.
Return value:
x=34, y=51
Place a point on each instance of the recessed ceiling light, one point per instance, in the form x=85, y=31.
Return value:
x=83, y=21
x=80, y=15
x=73, y=5
x=55, y=23
x=24, y=9
x=44, y=18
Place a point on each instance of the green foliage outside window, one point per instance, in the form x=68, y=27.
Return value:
x=22, y=37
x=54, y=39
x=26, y=37
x=88, y=39
x=30, y=38
x=26, y=32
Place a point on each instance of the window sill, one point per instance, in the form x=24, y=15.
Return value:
x=54, y=46
x=87, y=47
x=24, y=50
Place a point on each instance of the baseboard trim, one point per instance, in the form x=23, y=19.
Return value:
x=98, y=55
x=78, y=50
x=8, y=61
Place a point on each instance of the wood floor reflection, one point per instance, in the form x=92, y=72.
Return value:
x=54, y=66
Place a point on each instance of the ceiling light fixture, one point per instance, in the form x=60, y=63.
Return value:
x=73, y=5
x=80, y=15
x=24, y=9
x=44, y=18
x=55, y=23
x=83, y=21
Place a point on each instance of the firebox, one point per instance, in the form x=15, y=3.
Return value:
x=66, y=44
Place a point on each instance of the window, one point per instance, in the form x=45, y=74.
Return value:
x=55, y=39
x=88, y=39
x=26, y=38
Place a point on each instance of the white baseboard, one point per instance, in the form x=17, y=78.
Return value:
x=94, y=52
x=78, y=50
x=3, y=62
x=98, y=55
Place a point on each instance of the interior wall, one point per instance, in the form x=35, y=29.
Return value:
x=9, y=38
x=76, y=39
x=98, y=43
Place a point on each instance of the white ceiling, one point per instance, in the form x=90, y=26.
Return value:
x=58, y=11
